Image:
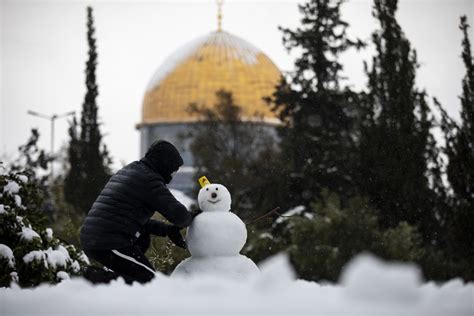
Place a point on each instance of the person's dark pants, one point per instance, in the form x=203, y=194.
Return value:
x=128, y=262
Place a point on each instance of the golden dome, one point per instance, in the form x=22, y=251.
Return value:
x=195, y=72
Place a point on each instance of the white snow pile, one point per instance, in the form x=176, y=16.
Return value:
x=23, y=178
x=12, y=187
x=62, y=275
x=52, y=258
x=27, y=233
x=368, y=287
x=18, y=200
x=49, y=233
x=7, y=253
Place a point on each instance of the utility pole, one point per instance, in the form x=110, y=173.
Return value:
x=52, y=119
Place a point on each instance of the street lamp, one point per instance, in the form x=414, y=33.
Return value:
x=51, y=118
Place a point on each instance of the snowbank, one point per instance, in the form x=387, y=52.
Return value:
x=369, y=287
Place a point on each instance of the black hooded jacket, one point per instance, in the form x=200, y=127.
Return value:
x=123, y=209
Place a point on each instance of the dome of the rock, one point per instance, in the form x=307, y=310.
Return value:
x=194, y=74
x=197, y=70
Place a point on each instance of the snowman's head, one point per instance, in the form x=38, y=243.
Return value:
x=214, y=198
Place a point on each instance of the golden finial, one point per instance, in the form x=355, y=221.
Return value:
x=219, y=14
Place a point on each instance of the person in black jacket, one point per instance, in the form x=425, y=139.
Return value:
x=116, y=231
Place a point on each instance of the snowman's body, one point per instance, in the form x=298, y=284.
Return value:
x=216, y=234
x=215, y=239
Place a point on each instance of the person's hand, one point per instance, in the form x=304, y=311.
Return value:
x=175, y=236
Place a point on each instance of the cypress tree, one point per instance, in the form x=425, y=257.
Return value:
x=318, y=140
x=73, y=176
x=459, y=149
x=89, y=160
x=396, y=145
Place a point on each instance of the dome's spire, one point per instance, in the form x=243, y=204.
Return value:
x=219, y=14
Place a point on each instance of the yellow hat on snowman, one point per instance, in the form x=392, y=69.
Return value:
x=203, y=181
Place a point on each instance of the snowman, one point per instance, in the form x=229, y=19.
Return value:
x=215, y=238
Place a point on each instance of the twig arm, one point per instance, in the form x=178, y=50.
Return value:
x=275, y=210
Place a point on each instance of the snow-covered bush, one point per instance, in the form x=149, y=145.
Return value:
x=29, y=253
x=323, y=240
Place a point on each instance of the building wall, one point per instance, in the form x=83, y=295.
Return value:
x=174, y=133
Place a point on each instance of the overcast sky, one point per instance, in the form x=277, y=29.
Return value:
x=44, y=49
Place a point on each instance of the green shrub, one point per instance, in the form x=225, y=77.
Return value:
x=321, y=240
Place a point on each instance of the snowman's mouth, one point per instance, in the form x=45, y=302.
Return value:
x=213, y=202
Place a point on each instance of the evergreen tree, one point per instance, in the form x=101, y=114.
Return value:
x=318, y=139
x=396, y=145
x=239, y=154
x=32, y=159
x=459, y=149
x=34, y=162
x=89, y=162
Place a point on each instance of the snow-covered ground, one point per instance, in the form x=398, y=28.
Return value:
x=368, y=287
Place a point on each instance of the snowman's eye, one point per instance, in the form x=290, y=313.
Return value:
x=217, y=189
x=207, y=189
